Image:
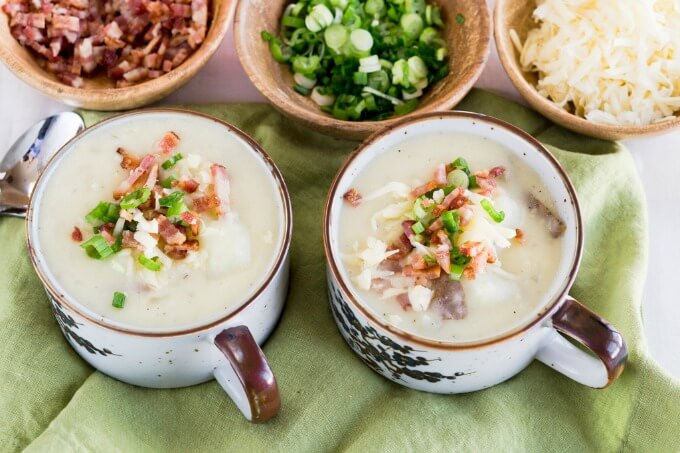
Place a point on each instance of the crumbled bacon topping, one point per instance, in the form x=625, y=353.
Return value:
x=352, y=197
x=76, y=234
x=128, y=40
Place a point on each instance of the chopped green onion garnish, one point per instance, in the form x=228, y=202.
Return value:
x=118, y=300
x=171, y=199
x=418, y=228
x=429, y=260
x=168, y=164
x=134, y=199
x=152, y=264
x=460, y=19
x=456, y=271
x=167, y=182
x=451, y=221
x=103, y=213
x=497, y=216
x=96, y=247
x=176, y=209
x=458, y=178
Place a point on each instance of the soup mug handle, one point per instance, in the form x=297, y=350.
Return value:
x=246, y=377
x=579, y=323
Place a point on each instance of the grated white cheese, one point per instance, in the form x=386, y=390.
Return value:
x=611, y=61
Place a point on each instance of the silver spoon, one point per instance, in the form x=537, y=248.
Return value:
x=27, y=157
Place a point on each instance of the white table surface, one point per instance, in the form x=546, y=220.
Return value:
x=657, y=160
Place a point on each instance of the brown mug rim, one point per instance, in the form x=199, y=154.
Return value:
x=273, y=271
x=549, y=309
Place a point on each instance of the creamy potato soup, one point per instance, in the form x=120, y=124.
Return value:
x=451, y=238
x=159, y=221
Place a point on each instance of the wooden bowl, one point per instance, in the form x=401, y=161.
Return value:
x=468, y=46
x=100, y=93
x=516, y=14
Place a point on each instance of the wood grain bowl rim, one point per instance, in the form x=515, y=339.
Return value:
x=111, y=97
x=509, y=60
x=357, y=130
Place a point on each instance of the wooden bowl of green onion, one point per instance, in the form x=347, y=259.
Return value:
x=348, y=68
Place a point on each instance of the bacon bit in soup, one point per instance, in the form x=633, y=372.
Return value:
x=157, y=222
x=128, y=161
x=76, y=234
x=129, y=41
x=352, y=197
x=555, y=225
x=519, y=235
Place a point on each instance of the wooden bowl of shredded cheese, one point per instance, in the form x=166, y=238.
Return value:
x=605, y=69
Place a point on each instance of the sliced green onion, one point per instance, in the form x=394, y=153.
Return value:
x=319, y=18
x=167, y=182
x=441, y=54
x=419, y=211
x=302, y=90
x=418, y=228
x=458, y=178
x=118, y=300
x=306, y=65
x=400, y=73
x=304, y=81
x=176, y=209
x=360, y=78
x=406, y=107
x=168, y=164
x=360, y=42
x=103, y=213
x=152, y=264
x=171, y=199
x=292, y=22
x=460, y=19
x=96, y=247
x=134, y=199
x=412, y=24
x=375, y=92
x=322, y=99
x=456, y=271
x=497, y=216
x=416, y=69
x=430, y=261
x=451, y=221
x=375, y=8
x=335, y=36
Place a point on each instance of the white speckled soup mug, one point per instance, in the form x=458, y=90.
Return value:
x=449, y=367
x=226, y=349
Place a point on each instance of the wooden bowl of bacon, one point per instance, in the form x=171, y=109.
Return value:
x=112, y=55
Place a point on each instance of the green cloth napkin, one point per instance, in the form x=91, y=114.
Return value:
x=52, y=400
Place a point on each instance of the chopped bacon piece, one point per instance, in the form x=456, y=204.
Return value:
x=417, y=261
x=425, y=188
x=443, y=255
x=188, y=185
x=404, y=247
x=407, y=226
x=206, y=202
x=144, y=165
x=440, y=175
x=519, y=235
x=169, y=232
x=404, y=301
x=555, y=225
x=495, y=172
x=180, y=251
x=128, y=241
x=442, y=238
x=192, y=220
x=108, y=237
x=168, y=143
x=221, y=187
x=76, y=234
x=466, y=214
x=153, y=178
x=128, y=160
x=435, y=226
x=68, y=23
x=453, y=200
x=352, y=197
x=429, y=273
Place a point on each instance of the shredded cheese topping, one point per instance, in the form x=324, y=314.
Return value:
x=610, y=61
